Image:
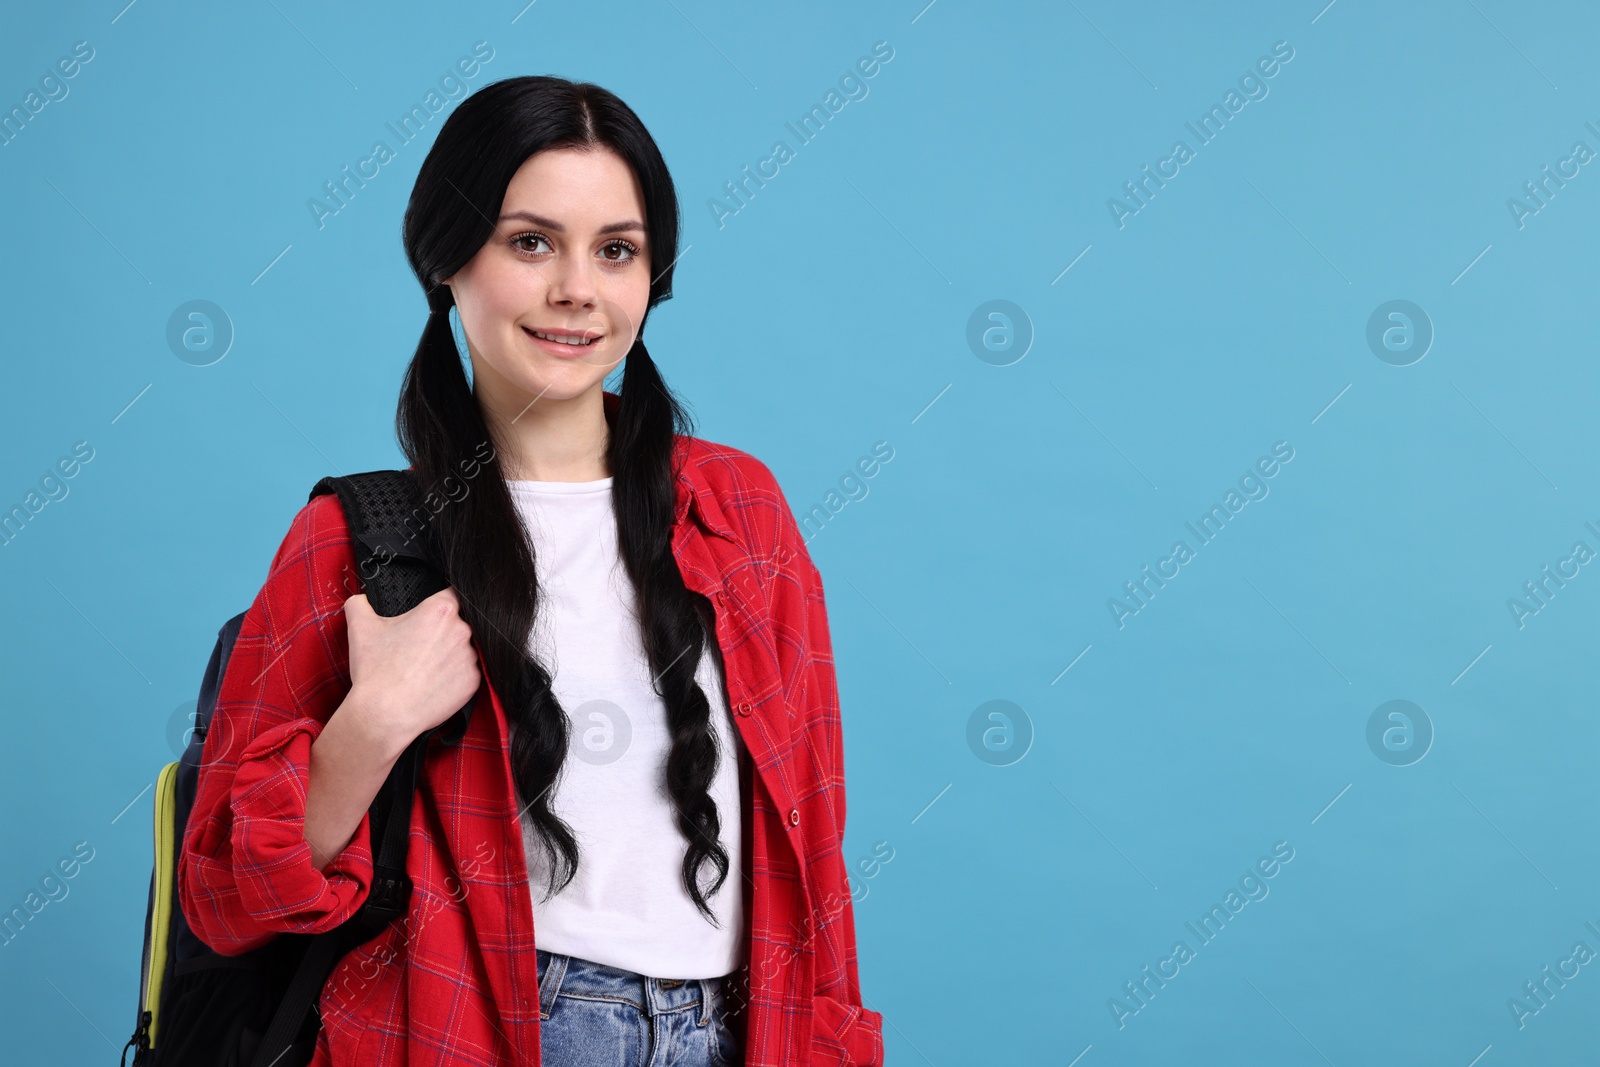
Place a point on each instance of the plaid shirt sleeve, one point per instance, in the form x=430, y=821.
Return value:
x=245, y=872
x=845, y=1032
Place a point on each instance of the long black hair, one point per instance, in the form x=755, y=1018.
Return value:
x=479, y=539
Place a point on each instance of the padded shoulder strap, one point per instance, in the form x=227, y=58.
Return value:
x=392, y=537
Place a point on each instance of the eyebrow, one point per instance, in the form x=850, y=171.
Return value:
x=551, y=224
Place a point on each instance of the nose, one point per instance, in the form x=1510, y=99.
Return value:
x=572, y=282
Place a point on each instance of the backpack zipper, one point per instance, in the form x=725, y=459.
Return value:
x=161, y=921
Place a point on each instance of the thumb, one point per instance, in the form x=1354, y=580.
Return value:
x=358, y=605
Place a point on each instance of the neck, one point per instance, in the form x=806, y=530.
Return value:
x=553, y=440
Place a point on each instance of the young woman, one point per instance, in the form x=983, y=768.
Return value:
x=632, y=856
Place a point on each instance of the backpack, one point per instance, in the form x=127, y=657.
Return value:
x=256, y=1009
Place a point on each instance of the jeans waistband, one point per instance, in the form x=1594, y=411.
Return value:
x=578, y=977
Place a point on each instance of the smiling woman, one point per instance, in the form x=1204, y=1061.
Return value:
x=642, y=636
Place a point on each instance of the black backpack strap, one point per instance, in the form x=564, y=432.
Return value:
x=390, y=535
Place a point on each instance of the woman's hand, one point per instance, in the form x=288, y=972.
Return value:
x=409, y=672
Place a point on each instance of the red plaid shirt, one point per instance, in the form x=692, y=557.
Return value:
x=456, y=981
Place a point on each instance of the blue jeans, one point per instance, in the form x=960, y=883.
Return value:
x=592, y=1015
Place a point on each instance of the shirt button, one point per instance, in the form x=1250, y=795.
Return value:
x=741, y=709
x=794, y=816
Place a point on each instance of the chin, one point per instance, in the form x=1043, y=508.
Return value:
x=562, y=386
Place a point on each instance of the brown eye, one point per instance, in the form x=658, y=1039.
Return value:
x=516, y=242
x=628, y=246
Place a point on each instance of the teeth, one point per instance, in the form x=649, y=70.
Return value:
x=562, y=340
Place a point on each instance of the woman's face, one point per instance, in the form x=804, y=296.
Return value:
x=568, y=258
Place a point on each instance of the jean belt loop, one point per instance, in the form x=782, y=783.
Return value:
x=706, y=985
x=550, y=985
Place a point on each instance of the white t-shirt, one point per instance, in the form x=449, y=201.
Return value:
x=626, y=906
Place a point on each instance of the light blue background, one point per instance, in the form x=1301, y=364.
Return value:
x=830, y=313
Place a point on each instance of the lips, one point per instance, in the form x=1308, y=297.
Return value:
x=575, y=339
